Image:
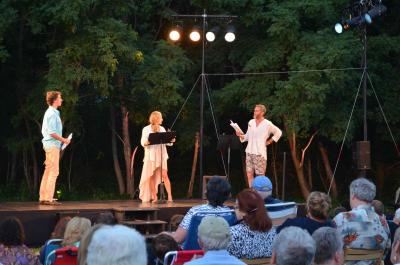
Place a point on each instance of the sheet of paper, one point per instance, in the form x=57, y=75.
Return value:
x=65, y=145
x=236, y=127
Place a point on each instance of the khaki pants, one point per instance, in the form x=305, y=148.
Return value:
x=48, y=184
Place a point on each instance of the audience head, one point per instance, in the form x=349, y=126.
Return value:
x=395, y=255
x=263, y=186
x=250, y=207
x=106, y=218
x=12, y=232
x=60, y=227
x=362, y=191
x=293, y=246
x=396, y=218
x=84, y=244
x=378, y=206
x=75, y=229
x=218, y=191
x=318, y=205
x=117, y=245
x=162, y=244
x=214, y=233
x=329, y=246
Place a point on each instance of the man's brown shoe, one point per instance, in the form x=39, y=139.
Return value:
x=52, y=203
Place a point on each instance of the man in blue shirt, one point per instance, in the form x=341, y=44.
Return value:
x=263, y=186
x=52, y=141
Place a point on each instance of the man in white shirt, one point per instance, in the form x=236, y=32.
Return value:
x=260, y=133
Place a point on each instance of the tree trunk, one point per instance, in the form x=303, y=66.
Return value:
x=309, y=174
x=297, y=163
x=117, y=168
x=25, y=163
x=35, y=169
x=127, y=149
x=328, y=170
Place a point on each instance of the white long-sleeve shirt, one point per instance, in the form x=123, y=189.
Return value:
x=257, y=137
x=153, y=152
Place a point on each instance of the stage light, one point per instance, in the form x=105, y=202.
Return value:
x=375, y=12
x=338, y=28
x=230, y=34
x=195, y=34
x=210, y=35
x=175, y=33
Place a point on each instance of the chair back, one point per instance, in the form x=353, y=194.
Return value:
x=180, y=257
x=49, y=247
x=260, y=261
x=191, y=237
x=279, y=212
x=355, y=254
x=64, y=256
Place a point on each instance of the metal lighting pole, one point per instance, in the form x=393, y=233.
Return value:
x=204, y=17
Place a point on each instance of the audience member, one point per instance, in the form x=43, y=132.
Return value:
x=378, y=207
x=12, y=248
x=74, y=231
x=338, y=210
x=84, y=243
x=116, y=245
x=361, y=227
x=58, y=233
x=174, y=222
x=395, y=255
x=263, y=186
x=253, y=236
x=329, y=247
x=396, y=218
x=105, y=218
x=218, y=191
x=161, y=245
x=293, y=246
x=214, y=237
x=318, y=205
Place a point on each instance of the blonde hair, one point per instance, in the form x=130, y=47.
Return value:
x=76, y=228
x=262, y=108
x=318, y=205
x=154, y=116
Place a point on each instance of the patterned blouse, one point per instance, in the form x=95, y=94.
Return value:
x=17, y=255
x=249, y=244
x=200, y=208
x=363, y=228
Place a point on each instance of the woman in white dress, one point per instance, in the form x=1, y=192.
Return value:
x=151, y=172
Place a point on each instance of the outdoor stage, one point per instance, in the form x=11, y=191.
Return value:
x=39, y=220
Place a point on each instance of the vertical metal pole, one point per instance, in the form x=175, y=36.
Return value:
x=202, y=105
x=363, y=172
x=283, y=175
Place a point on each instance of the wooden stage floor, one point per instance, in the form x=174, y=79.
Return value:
x=39, y=220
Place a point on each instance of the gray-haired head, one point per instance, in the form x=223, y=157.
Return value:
x=328, y=242
x=214, y=233
x=294, y=246
x=117, y=245
x=363, y=189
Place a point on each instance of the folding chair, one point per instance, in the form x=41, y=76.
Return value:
x=191, y=238
x=279, y=212
x=50, y=246
x=260, y=261
x=63, y=256
x=180, y=257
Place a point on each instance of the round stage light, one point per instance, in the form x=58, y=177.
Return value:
x=230, y=36
x=195, y=35
x=210, y=36
x=338, y=28
x=174, y=35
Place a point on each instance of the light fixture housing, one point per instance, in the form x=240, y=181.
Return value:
x=230, y=33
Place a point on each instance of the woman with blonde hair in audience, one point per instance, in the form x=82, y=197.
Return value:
x=318, y=206
x=84, y=244
x=75, y=230
x=253, y=237
x=12, y=247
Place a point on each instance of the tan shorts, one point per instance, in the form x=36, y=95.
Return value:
x=256, y=163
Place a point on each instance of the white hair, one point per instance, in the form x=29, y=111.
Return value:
x=117, y=245
x=265, y=194
x=294, y=246
x=214, y=233
x=363, y=189
x=328, y=242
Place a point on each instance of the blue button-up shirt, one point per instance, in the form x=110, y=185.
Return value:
x=216, y=257
x=51, y=124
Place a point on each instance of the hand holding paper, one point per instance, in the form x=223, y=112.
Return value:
x=236, y=127
x=65, y=145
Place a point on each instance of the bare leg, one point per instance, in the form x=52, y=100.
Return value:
x=153, y=190
x=167, y=185
x=250, y=177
